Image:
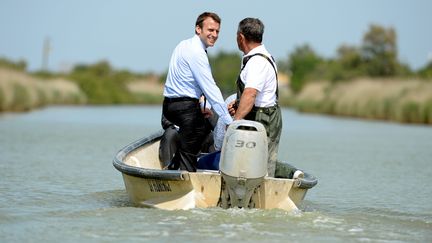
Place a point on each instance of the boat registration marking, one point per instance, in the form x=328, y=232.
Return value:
x=159, y=186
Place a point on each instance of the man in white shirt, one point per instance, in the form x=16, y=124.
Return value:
x=257, y=86
x=189, y=77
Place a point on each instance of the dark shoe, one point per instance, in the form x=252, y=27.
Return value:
x=172, y=166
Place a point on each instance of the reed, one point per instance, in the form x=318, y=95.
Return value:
x=407, y=101
x=146, y=91
x=22, y=92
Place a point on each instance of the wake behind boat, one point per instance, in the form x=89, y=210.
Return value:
x=241, y=180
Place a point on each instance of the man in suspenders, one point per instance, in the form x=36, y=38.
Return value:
x=257, y=86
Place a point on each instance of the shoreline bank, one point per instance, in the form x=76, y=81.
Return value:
x=398, y=100
x=22, y=92
x=404, y=101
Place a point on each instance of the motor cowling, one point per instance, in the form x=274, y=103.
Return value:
x=244, y=150
x=243, y=162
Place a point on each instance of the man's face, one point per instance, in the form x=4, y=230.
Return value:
x=209, y=33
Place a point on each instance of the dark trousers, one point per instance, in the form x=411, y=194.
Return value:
x=168, y=145
x=188, y=116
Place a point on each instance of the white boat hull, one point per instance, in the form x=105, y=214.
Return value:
x=149, y=186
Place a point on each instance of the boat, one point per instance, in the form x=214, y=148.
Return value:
x=240, y=182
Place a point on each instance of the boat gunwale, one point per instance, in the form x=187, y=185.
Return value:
x=118, y=162
x=307, y=182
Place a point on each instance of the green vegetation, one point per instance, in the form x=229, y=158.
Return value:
x=19, y=66
x=302, y=63
x=20, y=91
x=366, y=81
x=363, y=81
x=21, y=98
x=407, y=101
x=105, y=85
x=426, y=72
x=225, y=68
x=375, y=58
x=101, y=84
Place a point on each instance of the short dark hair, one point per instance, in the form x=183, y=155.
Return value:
x=203, y=16
x=252, y=29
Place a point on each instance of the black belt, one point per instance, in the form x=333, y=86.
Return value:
x=177, y=99
x=265, y=109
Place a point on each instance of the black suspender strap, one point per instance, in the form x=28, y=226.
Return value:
x=246, y=59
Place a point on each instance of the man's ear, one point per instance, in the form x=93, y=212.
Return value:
x=242, y=37
x=198, y=29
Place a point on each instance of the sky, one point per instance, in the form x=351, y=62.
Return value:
x=140, y=35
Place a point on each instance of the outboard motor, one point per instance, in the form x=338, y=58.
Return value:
x=243, y=162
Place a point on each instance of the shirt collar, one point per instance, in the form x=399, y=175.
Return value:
x=259, y=49
x=197, y=39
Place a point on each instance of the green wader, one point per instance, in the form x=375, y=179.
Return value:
x=270, y=117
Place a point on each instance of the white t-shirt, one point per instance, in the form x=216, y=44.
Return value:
x=260, y=75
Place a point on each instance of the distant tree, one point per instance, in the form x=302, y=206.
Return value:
x=225, y=68
x=349, y=57
x=426, y=71
x=347, y=65
x=379, y=51
x=301, y=63
x=162, y=77
x=102, y=84
x=20, y=65
x=404, y=70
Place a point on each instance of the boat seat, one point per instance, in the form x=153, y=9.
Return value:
x=209, y=161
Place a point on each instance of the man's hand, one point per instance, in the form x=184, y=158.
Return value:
x=247, y=102
x=232, y=108
x=207, y=112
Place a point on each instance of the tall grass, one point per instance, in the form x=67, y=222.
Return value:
x=407, y=101
x=146, y=91
x=22, y=92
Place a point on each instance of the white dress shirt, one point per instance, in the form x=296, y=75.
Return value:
x=260, y=75
x=189, y=75
x=219, y=129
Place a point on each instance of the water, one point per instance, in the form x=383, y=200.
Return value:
x=57, y=182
